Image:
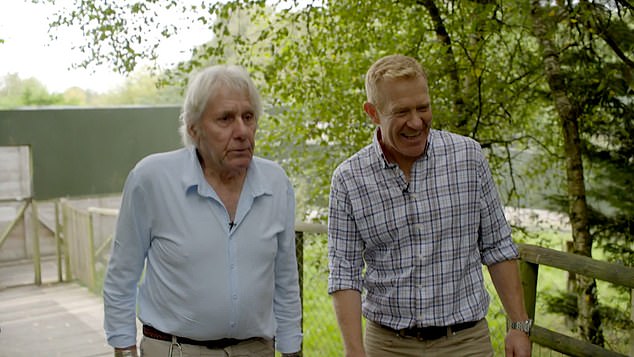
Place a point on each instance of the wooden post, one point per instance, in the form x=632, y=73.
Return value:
x=91, y=250
x=299, y=253
x=37, y=267
x=65, y=234
x=35, y=222
x=58, y=243
x=528, y=276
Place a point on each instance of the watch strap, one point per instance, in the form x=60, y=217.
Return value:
x=524, y=326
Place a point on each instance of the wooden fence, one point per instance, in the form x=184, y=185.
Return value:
x=532, y=257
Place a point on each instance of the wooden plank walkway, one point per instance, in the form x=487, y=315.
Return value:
x=53, y=319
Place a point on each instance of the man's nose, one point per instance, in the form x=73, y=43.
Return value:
x=240, y=127
x=414, y=119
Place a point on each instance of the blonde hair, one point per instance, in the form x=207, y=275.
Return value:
x=390, y=67
x=204, y=84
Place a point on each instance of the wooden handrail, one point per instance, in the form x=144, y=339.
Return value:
x=532, y=257
x=103, y=211
x=316, y=228
x=568, y=345
x=579, y=264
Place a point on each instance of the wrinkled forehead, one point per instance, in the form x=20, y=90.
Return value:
x=390, y=91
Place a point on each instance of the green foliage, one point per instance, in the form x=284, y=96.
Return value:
x=561, y=302
x=309, y=61
x=312, y=62
x=16, y=92
x=140, y=89
x=596, y=39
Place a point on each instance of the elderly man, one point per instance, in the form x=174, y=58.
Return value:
x=213, y=226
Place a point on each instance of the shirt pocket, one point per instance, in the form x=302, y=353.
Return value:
x=382, y=219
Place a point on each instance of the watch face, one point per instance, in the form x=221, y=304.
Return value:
x=524, y=326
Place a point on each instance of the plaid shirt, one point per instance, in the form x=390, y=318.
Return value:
x=423, y=243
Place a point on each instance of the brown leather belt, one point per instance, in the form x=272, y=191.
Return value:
x=431, y=332
x=151, y=332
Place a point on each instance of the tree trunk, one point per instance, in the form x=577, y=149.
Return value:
x=589, y=319
x=443, y=37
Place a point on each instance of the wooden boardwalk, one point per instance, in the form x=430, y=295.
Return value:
x=53, y=319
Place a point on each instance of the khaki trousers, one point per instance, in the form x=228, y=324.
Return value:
x=474, y=342
x=252, y=348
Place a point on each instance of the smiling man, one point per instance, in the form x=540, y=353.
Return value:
x=213, y=226
x=413, y=217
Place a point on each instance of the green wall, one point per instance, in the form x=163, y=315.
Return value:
x=88, y=151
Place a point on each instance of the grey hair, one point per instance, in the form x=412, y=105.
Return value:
x=390, y=67
x=204, y=84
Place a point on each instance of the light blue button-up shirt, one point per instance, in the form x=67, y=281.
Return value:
x=203, y=280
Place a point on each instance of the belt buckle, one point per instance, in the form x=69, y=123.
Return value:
x=424, y=334
x=412, y=332
x=419, y=334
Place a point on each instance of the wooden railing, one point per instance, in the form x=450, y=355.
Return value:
x=531, y=258
x=86, y=250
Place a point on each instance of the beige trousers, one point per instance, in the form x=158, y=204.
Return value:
x=474, y=342
x=252, y=348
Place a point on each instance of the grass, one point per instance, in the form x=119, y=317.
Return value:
x=321, y=332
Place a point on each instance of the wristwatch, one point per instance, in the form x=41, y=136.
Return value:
x=524, y=326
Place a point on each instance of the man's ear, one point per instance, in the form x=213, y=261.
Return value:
x=371, y=111
x=192, y=131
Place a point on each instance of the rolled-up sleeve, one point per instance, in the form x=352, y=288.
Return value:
x=345, y=246
x=496, y=244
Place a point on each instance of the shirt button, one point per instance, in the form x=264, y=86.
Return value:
x=235, y=296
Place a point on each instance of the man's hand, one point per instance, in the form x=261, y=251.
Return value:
x=126, y=352
x=517, y=344
x=293, y=354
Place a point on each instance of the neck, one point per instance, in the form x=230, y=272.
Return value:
x=404, y=163
x=228, y=185
x=230, y=180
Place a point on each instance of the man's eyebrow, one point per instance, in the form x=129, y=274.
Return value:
x=223, y=113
